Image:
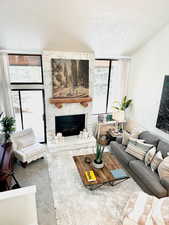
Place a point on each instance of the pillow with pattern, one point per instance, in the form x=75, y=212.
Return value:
x=157, y=159
x=149, y=156
x=126, y=136
x=137, y=148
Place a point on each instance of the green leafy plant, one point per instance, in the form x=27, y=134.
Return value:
x=99, y=153
x=125, y=103
x=8, y=127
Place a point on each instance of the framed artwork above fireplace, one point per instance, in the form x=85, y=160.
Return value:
x=70, y=78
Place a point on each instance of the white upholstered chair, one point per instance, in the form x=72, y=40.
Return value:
x=26, y=148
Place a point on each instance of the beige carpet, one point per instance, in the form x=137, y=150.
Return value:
x=76, y=205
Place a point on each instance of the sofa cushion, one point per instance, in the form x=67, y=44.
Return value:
x=119, y=151
x=163, y=147
x=149, y=138
x=149, y=178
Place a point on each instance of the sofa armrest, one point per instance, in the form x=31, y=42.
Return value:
x=116, y=147
x=119, y=140
x=165, y=182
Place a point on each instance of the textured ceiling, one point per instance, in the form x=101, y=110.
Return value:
x=109, y=28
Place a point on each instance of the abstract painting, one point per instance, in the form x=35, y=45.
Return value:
x=163, y=115
x=70, y=78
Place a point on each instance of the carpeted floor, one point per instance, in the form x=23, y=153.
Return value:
x=76, y=205
x=36, y=173
x=63, y=200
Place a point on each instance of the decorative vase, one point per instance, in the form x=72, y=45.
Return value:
x=98, y=165
x=118, y=115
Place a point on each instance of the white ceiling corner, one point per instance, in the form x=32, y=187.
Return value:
x=109, y=28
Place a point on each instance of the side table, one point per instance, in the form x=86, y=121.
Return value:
x=113, y=135
x=100, y=125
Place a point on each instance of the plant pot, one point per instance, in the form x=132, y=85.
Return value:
x=98, y=165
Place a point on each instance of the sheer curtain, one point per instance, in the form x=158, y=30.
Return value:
x=118, y=81
x=5, y=92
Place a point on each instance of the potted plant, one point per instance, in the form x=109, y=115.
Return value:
x=8, y=127
x=119, y=109
x=98, y=163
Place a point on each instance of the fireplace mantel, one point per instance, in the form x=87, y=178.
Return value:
x=58, y=102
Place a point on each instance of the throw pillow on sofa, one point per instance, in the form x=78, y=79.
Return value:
x=157, y=159
x=163, y=169
x=137, y=148
x=126, y=136
x=149, y=156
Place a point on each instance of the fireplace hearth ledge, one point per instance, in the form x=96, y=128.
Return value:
x=71, y=143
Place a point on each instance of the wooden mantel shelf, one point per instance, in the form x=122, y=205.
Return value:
x=58, y=102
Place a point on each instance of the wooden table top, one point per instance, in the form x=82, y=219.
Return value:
x=102, y=175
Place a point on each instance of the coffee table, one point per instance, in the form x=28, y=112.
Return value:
x=103, y=176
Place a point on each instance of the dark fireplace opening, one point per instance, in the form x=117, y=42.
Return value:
x=69, y=125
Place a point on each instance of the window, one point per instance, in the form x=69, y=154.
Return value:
x=114, y=85
x=105, y=81
x=27, y=112
x=100, y=86
x=28, y=93
x=25, y=69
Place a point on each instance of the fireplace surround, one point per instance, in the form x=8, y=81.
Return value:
x=68, y=109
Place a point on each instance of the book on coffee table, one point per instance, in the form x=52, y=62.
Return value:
x=90, y=175
x=119, y=174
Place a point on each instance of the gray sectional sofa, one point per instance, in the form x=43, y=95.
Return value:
x=149, y=181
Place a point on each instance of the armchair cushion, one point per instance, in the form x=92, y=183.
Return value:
x=30, y=153
x=25, y=141
x=24, y=138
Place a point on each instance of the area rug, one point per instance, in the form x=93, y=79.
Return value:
x=75, y=204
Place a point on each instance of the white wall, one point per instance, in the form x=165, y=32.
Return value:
x=149, y=65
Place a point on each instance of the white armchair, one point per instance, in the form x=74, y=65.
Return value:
x=26, y=148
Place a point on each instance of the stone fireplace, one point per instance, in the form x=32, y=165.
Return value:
x=67, y=109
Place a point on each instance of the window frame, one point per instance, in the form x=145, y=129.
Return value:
x=31, y=83
x=108, y=83
x=20, y=104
